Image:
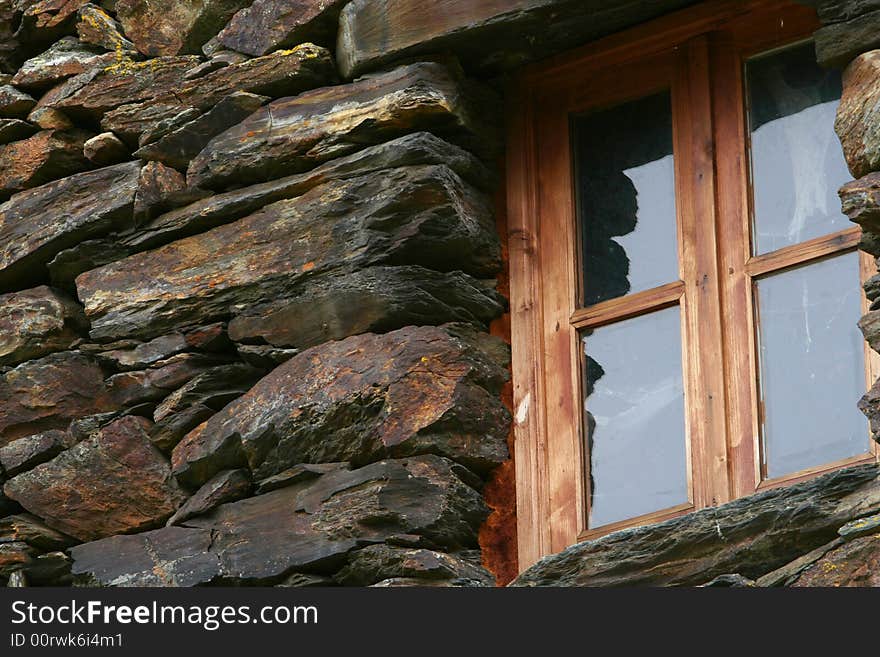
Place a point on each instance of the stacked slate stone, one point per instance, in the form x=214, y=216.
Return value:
x=821, y=532
x=858, y=126
x=243, y=336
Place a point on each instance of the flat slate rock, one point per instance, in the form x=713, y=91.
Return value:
x=855, y=563
x=113, y=483
x=28, y=452
x=15, y=130
x=308, y=527
x=158, y=186
x=412, y=391
x=27, y=528
x=86, y=255
x=839, y=43
x=90, y=95
x=281, y=73
x=96, y=27
x=171, y=27
x=338, y=226
x=214, y=388
x=861, y=527
x=409, y=150
x=854, y=124
x=146, y=354
x=372, y=300
x=105, y=149
x=47, y=156
x=37, y=224
x=751, y=536
x=37, y=322
x=295, y=134
x=226, y=486
x=14, y=103
x=49, y=118
x=266, y=25
x=376, y=563
x=65, y=58
x=860, y=201
x=178, y=147
x=68, y=385
x=172, y=556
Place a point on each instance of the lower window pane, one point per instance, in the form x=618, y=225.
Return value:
x=635, y=423
x=812, y=365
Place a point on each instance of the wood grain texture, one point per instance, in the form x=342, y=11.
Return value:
x=699, y=54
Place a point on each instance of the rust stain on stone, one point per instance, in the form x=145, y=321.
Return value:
x=498, y=539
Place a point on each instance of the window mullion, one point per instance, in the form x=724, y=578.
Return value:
x=701, y=316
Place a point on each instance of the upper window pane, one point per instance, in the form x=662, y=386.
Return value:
x=626, y=198
x=797, y=161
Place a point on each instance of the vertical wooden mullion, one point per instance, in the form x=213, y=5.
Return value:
x=527, y=365
x=561, y=350
x=734, y=228
x=703, y=347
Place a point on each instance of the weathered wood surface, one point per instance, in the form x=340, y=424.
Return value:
x=489, y=35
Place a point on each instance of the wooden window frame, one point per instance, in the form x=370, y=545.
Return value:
x=699, y=52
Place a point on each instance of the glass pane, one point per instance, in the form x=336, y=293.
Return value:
x=626, y=198
x=635, y=417
x=797, y=161
x=812, y=365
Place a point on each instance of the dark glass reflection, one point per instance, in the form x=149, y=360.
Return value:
x=797, y=161
x=812, y=365
x=634, y=414
x=626, y=198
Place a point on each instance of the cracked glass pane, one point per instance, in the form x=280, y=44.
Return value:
x=634, y=415
x=626, y=198
x=797, y=160
x=812, y=365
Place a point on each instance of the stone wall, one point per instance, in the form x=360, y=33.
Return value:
x=246, y=302
x=253, y=325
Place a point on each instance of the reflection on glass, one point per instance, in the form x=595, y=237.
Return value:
x=797, y=161
x=626, y=197
x=634, y=416
x=812, y=365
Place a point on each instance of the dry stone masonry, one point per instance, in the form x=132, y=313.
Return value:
x=248, y=266
x=245, y=306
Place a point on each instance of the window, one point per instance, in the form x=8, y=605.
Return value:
x=684, y=288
